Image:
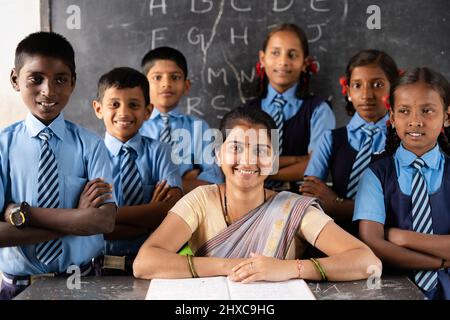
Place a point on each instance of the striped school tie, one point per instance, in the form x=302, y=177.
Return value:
x=132, y=189
x=164, y=135
x=422, y=220
x=278, y=103
x=48, y=195
x=362, y=161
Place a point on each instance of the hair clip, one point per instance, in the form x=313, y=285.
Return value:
x=344, y=85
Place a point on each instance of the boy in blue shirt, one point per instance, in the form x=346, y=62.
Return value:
x=166, y=70
x=146, y=182
x=45, y=163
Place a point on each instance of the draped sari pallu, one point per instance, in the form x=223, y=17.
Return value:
x=267, y=230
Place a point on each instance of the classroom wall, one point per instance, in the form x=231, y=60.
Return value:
x=18, y=18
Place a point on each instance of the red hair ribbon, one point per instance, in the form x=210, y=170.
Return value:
x=313, y=65
x=260, y=73
x=386, y=102
x=400, y=72
x=344, y=85
x=260, y=70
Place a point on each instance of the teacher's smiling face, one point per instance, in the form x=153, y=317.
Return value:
x=246, y=156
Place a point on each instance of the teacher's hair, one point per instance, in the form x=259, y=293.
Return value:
x=246, y=115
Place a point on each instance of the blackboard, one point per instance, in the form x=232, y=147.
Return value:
x=221, y=39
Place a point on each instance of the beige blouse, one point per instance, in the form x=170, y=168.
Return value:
x=201, y=209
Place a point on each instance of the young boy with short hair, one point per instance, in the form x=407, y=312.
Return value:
x=45, y=163
x=166, y=70
x=146, y=182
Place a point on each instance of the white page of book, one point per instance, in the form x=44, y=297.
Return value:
x=213, y=288
x=285, y=290
x=221, y=288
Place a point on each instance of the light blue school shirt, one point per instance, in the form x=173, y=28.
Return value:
x=154, y=164
x=322, y=118
x=369, y=202
x=2, y=196
x=210, y=172
x=319, y=165
x=81, y=156
x=152, y=160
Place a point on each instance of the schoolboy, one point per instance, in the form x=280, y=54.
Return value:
x=167, y=71
x=146, y=182
x=45, y=163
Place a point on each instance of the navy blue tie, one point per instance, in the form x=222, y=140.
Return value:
x=362, y=161
x=278, y=103
x=422, y=220
x=48, y=195
x=133, y=192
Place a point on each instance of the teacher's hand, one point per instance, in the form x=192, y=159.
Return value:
x=262, y=268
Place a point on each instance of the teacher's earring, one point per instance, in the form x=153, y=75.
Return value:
x=349, y=98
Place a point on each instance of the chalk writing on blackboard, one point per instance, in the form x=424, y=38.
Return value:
x=221, y=39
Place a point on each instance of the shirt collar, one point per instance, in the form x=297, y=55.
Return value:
x=114, y=145
x=34, y=126
x=175, y=112
x=357, y=122
x=431, y=158
x=288, y=95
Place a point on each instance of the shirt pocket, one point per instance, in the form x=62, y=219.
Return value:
x=73, y=186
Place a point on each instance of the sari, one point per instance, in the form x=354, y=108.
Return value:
x=267, y=230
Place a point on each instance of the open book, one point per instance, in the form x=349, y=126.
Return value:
x=221, y=288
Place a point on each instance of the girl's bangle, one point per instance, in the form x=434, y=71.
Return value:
x=339, y=200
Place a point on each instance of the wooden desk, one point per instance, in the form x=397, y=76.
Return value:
x=129, y=288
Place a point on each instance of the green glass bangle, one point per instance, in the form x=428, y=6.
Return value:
x=319, y=269
x=191, y=266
